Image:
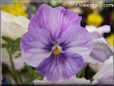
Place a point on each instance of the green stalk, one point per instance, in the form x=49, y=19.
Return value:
x=17, y=76
x=13, y=68
x=20, y=78
x=13, y=76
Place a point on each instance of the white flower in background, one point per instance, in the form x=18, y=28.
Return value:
x=98, y=32
x=5, y=57
x=13, y=26
x=101, y=49
x=18, y=63
x=105, y=74
x=70, y=81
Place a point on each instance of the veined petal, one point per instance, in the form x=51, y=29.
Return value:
x=106, y=74
x=76, y=40
x=36, y=39
x=61, y=67
x=101, y=50
x=77, y=36
x=36, y=46
x=33, y=58
x=84, y=52
x=54, y=19
x=106, y=78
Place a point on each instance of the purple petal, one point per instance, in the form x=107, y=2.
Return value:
x=33, y=58
x=61, y=67
x=55, y=19
x=100, y=51
x=36, y=39
x=107, y=79
x=36, y=45
x=76, y=40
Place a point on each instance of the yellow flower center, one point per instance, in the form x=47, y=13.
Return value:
x=56, y=51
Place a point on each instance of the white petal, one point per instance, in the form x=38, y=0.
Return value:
x=6, y=17
x=12, y=26
x=104, y=29
x=72, y=80
x=5, y=57
x=98, y=32
x=105, y=71
x=101, y=50
x=95, y=66
x=23, y=21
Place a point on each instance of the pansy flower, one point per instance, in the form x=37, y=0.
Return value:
x=55, y=44
x=101, y=49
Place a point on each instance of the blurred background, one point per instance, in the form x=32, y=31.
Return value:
x=98, y=15
x=102, y=14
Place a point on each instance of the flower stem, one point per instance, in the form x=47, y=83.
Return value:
x=20, y=78
x=13, y=68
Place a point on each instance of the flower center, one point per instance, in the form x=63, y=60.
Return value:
x=56, y=51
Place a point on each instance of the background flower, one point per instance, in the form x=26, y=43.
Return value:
x=94, y=19
x=101, y=49
x=98, y=32
x=16, y=8
x=105, y=74
x=13, y=27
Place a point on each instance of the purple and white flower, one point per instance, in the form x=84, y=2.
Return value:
x=106, y=74
x=55, y=44
x=101, y=50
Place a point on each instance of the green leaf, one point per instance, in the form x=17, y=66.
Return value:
x=8, y=40
x=17, y=41
x=34, y=74
x=5, y=45
x=31, y=74
x=12, y=45
x=81, y=73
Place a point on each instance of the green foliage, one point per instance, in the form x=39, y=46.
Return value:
x=34, y=74
x=11, y=45
x=86, y=73
x=30, y=74
x=81, y=73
